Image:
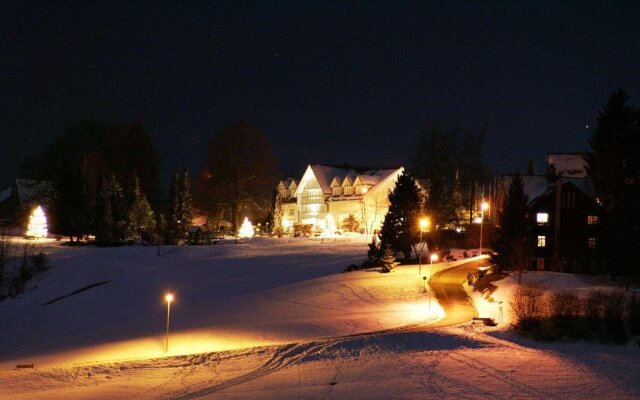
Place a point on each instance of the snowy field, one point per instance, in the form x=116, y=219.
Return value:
x=272, y=319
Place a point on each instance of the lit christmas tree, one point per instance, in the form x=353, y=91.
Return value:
x=330, y=224
x=37, y=227
x=246, y=230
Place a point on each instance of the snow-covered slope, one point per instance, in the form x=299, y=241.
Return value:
x=271, y=319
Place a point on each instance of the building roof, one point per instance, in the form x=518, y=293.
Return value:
x=28, y=192
x=325, y=174
x=536, y=185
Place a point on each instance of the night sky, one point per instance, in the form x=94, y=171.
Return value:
x=327, y=82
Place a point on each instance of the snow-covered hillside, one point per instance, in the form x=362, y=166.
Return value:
x=271, y=318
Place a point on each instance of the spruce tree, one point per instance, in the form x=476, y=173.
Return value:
x=185, y=211
x=400, y=227
x=613, y=162
x=512, y=244
x=388, y=260
x=104, y=220
x=141, y=221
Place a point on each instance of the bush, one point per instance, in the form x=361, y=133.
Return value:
x=527, y=305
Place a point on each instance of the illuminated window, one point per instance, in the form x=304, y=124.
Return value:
x=568, y=199
x=592, y=219
x=542, y=218
x=542, y=241
x=591, y=242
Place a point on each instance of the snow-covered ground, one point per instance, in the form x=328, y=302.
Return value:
x=271, y=318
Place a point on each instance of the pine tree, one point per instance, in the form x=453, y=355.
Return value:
x=104, y=221
x=400, y=226
x=388, y=260
x=350, y=224
x=512, y=244
x=613, y=163
x=185, y=211
x=141, y=221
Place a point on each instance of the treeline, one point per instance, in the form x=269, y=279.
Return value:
x=106, y=181
x=448, y=166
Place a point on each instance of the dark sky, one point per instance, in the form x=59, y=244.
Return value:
x=328, y=82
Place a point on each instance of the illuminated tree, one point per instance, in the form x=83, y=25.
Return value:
x=388, y=260
x=37, y=227
x=246, y=230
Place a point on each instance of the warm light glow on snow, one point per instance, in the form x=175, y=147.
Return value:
x=330, y=226
x=246, y=230
x=37, y=227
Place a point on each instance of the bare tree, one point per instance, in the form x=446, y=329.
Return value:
x=239, y=174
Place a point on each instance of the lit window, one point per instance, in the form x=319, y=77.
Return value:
x=591, y=242
x=542, y=241
x=542, y=218
x=568, y=199
x=291, y=211
x=592, y=219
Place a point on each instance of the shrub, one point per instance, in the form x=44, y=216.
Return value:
x=527, y=305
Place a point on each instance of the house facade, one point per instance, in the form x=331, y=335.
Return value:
x=565, y=222
x=328, y=195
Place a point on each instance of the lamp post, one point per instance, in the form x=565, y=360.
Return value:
x=483, y=207
x=434, y=257
x=424, y=223
x=168, y=298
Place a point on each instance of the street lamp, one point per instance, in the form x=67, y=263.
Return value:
x=483, y=206
x=168, y=298
x=424, y=224
x=434, y=257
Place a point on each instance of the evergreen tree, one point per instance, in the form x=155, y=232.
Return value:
x=613, y=163
x=185, y=210
x=400, y=227
x=180, y=208
x=388, y=260
x=104, y=221
x=473, y=172
x=141, y=221
x=434, y=164
x=512, y=244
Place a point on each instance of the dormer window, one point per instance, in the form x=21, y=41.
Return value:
x=337, y=191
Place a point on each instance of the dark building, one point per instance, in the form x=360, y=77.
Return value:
x=18, y=200
x=565, y=222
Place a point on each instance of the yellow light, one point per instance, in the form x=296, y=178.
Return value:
x=484, y=206
x=37, y=227
x=424, y=223
x=434, y=257
x=365, y=190
x=168, y=298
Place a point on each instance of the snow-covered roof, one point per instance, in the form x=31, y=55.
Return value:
x=30, y=191
x=325, y=174
x=536, y=185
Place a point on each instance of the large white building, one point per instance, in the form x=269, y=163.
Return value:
x=329, y=193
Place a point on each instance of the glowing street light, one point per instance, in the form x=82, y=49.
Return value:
x=424, y=225
x=168, y=298
x=484, y=206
